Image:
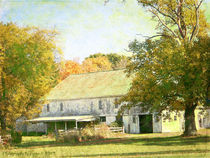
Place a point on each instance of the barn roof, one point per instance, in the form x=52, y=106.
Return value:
x=91, y=85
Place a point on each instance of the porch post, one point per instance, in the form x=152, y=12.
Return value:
x=55, y=127
x=45, y=128
x=65, y=126
x=56, y=132
x=36, y=128
x=76, y=124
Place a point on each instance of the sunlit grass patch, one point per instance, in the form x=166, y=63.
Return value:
x=134, y=145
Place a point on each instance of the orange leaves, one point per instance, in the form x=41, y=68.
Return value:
x=70, y=67
x=89, y=65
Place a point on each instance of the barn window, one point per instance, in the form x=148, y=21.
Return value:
x=102, y=118
x=48, y=108
x=134, y=119
x=100, y=106
x=61, y=106
x=115, y=105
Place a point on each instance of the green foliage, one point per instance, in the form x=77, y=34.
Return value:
x=16, y=137
x=117, y=123
x=172, y=72
x=28, y=71
x=96, y=64
x=117, y=61
x=181, y=20
x=168, y=76
x=33, y=133
x=114, y=124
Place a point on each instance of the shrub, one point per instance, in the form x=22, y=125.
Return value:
x=16, y=137
x=5, y=142
x=98, y=132
x=102, y=130
x=87, y=134
x=113, y=124
x=72, y=136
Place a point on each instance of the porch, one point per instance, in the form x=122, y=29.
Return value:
x=53, y=124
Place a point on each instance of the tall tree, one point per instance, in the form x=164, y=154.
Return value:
x=100, y=63
x=172, y=72
x=118, y=61
x=28, y=71
x=182, y=20
x=70, y=67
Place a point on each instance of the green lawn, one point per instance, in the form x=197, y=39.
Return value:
x=140, y=145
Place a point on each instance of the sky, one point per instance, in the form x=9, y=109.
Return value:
x=85, y=26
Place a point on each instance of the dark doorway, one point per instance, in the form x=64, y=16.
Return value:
x=145, y=124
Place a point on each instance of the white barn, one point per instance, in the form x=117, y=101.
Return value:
x=82, y=98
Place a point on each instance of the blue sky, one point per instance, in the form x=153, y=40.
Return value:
x=85, y=26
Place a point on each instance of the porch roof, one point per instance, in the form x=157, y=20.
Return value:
x=86, y=118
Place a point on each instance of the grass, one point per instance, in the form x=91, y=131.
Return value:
x=132, y=145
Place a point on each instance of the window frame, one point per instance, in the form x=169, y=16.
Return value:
x=100, y=105
x=61, y=106
x=102, y=119
x=48, y=107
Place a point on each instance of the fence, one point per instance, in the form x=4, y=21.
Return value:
x=112, y=129
x=116, y=129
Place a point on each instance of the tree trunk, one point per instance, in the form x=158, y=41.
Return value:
x=2, y=103
x=189, y=116
x=3, y=123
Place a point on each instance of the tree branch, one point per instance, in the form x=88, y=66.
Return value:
x=179, y=16
x=174, y=34
x=196, y=27
x=177, y=22
x=162, y=13
x=158, y=35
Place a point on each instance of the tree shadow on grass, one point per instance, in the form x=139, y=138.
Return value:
x=159, y=141
x=170, y=141
x=159, y=153
x=35, y=143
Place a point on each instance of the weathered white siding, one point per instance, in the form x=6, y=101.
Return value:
x=202, y=118
x=174, y=123
x=81, y=107
x=37, y=127
x=206, y=120
x=157, y=124
x=107, y=108
x=129, y=125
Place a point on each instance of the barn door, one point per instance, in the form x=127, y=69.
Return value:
x=145, y=124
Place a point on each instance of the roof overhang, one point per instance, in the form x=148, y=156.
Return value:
x=86, y=118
